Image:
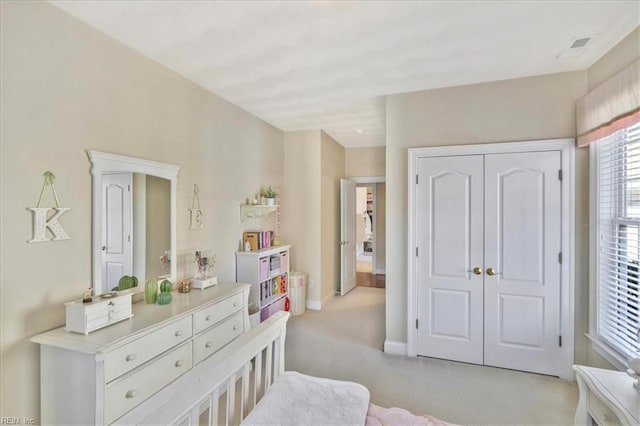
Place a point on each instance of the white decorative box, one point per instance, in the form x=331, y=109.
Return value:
x=104, y=310
x=204, y=282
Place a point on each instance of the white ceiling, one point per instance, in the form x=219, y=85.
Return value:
x=328, y=65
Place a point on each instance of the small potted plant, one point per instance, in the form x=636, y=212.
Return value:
x=270, y=196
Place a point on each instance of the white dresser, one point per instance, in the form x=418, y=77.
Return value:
x=97, y=378
x=607, y=397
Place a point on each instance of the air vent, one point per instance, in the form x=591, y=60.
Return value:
x=581, y=42
x=576, y=47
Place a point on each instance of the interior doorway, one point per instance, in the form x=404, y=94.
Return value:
x=370, y=247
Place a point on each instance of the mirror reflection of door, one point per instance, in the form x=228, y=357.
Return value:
x=117, y=256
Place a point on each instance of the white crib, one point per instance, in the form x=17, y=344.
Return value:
x=225, y=387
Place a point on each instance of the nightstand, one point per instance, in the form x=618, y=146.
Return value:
x=606, y=397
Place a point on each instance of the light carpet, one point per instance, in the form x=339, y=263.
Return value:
x=345, y=340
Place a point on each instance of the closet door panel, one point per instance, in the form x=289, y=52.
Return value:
x=522, y=243
x=449, y=237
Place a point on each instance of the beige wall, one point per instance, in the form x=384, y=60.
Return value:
x=301, y=205
x=618, y=58
x=522, y=109
x=332, y=169
x=381, y=226
x=314, y=164
x=67, y=88
x=365, y=162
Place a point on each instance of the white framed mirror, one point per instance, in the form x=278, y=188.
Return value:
x=134, y=220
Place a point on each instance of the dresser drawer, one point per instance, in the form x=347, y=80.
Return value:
x=123, y=395
x=131, y=355
x=602, y=414
x=207, y=317
x=211, y=341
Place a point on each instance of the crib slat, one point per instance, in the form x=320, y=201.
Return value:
x=244, y=405
x=278, y=359
x=194, y=415
x=231, y=399
x=268, y=367
x=257, y=379
x=214, y=398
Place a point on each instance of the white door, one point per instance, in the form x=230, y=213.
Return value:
x=347, y=236
x=450, y=239
x=522, y=245
x=117, y=216
x=499, y=215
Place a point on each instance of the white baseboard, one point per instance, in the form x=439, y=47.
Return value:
x=395, y=348
x=314, y=305
x=328, y=298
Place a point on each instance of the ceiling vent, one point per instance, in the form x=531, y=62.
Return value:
x=576, y=47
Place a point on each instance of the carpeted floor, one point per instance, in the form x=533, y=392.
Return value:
x=345, y=340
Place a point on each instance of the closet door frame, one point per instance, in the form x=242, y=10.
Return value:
x=567, y=292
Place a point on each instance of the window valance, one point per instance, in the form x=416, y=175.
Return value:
x=613, y=105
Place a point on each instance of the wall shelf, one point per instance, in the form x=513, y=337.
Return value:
x=255, y=211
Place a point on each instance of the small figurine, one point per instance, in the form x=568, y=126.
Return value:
x=86, y=296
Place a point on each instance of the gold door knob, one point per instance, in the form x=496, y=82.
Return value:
x=477, y=270
x=491, y=271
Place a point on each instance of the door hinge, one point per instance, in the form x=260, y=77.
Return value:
x=416, y=251
x=560, y=257
x=416, y=179
x=560, y=174
x=416, y=323
x=129, y=188
x=129, y=238
x=560, y=341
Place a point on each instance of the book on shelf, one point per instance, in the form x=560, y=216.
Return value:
x=258, y=240
x=272, y=287
x=252, y=238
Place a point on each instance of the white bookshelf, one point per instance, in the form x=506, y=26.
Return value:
x=267, y=271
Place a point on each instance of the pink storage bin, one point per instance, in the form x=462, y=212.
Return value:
x=264, y=268
x=284, y=262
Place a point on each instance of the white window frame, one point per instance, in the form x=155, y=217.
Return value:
x=617, y=359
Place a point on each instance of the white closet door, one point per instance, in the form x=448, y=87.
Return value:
x=450, y=244
x=522, y=244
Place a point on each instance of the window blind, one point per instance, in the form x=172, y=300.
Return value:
x=619, y=238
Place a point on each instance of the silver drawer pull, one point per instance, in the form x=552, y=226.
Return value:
x=131, y=357
x=179, y=363
x=235, y=304
x=208, y=344
x=235, y=327
x=207, y=318
x=178, y=333
x=130, y=394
